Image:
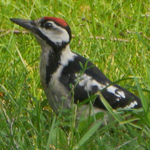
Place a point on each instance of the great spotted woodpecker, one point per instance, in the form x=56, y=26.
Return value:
x=61, y=69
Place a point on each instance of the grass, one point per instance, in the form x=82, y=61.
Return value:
x=114, y=35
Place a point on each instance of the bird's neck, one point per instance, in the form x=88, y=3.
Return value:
x=51, y=60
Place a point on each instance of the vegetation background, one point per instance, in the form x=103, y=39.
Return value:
x=114, y=35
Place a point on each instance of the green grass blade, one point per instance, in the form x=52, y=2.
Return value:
x=49, y=141
x=87, y=135
x=109, y=108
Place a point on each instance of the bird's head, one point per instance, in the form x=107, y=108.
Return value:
x=48, y=30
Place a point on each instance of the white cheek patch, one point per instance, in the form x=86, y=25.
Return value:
x=57, y=35
x=132, y=105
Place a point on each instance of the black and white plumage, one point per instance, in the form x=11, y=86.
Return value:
x=60, y=68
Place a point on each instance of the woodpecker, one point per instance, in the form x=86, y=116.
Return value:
x=61, y=70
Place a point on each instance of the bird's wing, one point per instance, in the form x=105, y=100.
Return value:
x=119, y=97
x=87, y=79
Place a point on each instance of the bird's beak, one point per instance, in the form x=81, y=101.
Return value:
x=27, y=24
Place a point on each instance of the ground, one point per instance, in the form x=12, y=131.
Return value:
x=114, y=35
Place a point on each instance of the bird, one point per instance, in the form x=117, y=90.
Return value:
x=68, y=77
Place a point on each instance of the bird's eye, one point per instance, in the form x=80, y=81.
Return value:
x=48, y=25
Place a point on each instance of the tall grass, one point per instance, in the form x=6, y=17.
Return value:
x=114, y=35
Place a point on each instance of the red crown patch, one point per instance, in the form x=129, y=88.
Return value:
x=57, y=20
